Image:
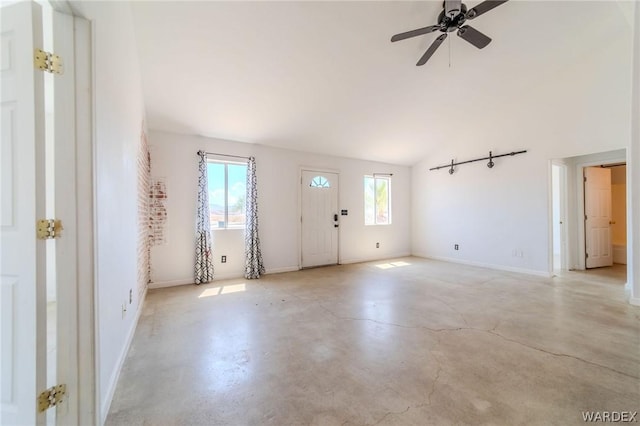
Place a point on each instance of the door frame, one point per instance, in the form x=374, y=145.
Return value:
x=82, y=394
x=88, y=397
x=319, y=170
x=563, y=208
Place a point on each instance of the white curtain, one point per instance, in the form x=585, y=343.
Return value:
x=253, y=266
x=204, y=262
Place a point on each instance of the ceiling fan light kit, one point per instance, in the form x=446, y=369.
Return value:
x=453, y=17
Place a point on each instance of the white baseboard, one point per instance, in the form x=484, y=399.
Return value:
x=635, y=301
x=619, y=254
x=217, y=277
x=171, y=283
x=374, y=258
x=113, y=381
x=544, y=274
x=280, y=270
x=185, y=281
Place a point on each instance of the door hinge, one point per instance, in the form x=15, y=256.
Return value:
x=51, y=397
x=49, y=228
x=585, y=178
x=586, y=255
x=48, y=62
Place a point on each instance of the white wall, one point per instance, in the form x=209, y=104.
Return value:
x=174, y=158
x=496, y=213
x=118, y=115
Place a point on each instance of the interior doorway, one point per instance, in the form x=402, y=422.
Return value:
x=597, y=217
x=610, y=246
x=567, y=205
x=558, y=214
x=614, y=204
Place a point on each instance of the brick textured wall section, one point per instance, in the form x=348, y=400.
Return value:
x=158, y=212
x=144, y=214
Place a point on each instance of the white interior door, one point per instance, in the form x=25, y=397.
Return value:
x=597, y=224
x=320, y=218
x=23, y=266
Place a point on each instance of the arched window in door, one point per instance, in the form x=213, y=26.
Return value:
x=320, y=182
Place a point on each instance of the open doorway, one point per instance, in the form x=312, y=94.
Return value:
x=568, y=204
x=558, y=214
x=612, y=240
x=605, y=209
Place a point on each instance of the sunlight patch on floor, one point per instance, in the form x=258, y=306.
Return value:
x=392, y=265
x=214, y=291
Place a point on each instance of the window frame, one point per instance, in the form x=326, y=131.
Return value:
x=375, y=178
x=226, y=165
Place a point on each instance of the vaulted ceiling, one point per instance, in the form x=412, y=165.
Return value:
x=324, y=77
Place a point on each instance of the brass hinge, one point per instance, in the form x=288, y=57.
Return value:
x=48, y=62
x=49, y=228
x=51, y=397
x=587, y=255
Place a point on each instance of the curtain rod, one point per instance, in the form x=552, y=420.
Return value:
x=223, y=155
x=490, y=164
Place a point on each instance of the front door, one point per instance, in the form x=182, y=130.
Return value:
x=319, y=218
x=22, y=186
x=597, y=224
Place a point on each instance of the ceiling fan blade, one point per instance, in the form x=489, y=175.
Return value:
x=431, y=50
x=474, y=36
x=414, y=33
x=483, y=7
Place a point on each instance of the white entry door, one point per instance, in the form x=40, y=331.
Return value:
x=320, y=218
x=23, y=266
x=597, y=224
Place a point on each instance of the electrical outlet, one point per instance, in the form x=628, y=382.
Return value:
x=224, y=259
x=377, y=245
x=456, y=247
x=130, y=296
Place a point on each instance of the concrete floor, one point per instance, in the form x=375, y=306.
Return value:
x=404, y=342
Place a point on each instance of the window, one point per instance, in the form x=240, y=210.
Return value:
x=320, y=182
x=227, y=194
x=377, y=200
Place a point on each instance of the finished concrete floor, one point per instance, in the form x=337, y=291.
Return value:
x=402, y=342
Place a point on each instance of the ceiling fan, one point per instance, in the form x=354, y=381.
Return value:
x=453, y=17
